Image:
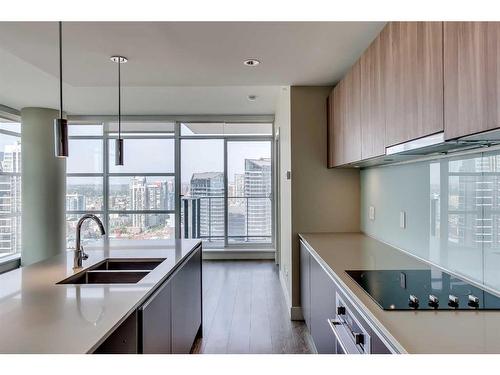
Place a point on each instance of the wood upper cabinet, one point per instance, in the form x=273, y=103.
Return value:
x=471, y=77
x=414, y=80
x=344, y=120
x=336, y=125
x=352, y=123
x=373, y=71
x=331, y=149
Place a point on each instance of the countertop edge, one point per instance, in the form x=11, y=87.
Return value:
x=144, y=298
x=365, y=312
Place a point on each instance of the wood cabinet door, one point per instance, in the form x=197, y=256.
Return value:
x=372, y=67
x=352, y=113
x=471, y=77
x=330, y=132
x=345, y=116
x=414, y=80
x=337, y=115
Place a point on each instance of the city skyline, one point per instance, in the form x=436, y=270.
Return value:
x=10, y=197
x=249, y=210
x=85, y=193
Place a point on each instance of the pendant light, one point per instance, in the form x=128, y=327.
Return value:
x=119, y=141
x=61, y=124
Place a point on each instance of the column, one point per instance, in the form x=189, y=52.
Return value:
x=43, y=187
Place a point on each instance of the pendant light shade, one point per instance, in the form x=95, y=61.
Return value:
x=119, y=151
x=119, y=142
x=61, y=124
x=61, y=137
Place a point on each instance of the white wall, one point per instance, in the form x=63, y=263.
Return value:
x=282, y=122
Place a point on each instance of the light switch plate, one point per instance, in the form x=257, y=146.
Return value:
x=371, y=213
x=402, y=220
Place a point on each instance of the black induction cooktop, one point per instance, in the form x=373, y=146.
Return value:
x=425, y=289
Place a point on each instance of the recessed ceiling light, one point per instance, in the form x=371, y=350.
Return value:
x=251, y=62
x=252, y=98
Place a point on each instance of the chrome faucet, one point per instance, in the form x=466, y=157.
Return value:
x=79, y=253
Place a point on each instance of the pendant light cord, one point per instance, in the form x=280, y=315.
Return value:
x=119, y=99
x=60, y=73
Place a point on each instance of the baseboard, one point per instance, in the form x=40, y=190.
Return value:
x=237, y=255
x=296, y=313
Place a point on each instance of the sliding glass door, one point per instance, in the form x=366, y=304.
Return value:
x=202, y=190
x=227, y=184
x=250, y=188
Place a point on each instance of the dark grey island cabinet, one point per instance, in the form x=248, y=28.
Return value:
x=335, y=324
x=155, y=322
x=186, y=305
x=169, y=320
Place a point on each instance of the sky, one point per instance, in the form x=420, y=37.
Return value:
x=157, y=156
x=208, y=156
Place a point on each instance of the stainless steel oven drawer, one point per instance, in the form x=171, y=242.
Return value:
x=351, y=337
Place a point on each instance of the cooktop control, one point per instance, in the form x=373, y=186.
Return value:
x=425, y=289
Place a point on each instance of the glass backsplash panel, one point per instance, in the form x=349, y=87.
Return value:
x=452, y=208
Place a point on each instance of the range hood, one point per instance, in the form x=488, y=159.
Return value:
x=432, y=145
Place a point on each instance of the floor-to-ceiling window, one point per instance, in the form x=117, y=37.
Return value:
x=10, y=187
x=85, y=179
x=212, y=181
x=136, y=200
x=227, y=184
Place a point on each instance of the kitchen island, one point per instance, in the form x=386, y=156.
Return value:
x=38, y=315
x=331, y=254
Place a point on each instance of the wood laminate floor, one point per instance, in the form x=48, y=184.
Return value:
x=244, y=311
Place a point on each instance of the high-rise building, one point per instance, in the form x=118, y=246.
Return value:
x=209, y=187
x=10, y=199
x=258, y=190
x=158, y=195
x=138, y=201
x=75, y=202
x=239, y=185
x=170, y=201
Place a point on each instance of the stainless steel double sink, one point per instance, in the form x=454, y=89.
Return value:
x=115, y=271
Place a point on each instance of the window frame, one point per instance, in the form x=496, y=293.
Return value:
x=108, y=134
x=237, y=138
x=106, y=174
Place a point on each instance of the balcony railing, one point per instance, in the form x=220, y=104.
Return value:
x=249, y=219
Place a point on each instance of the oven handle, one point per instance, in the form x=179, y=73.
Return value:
x=348, y=346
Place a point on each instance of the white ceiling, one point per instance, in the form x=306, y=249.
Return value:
x=174, y=67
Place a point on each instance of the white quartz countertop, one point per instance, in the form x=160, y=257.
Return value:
x=39, y=316
x=410, y=331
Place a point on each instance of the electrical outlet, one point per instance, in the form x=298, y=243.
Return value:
x=371, y=213
x=402, y=220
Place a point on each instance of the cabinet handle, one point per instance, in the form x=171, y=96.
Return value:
x=333, y=323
